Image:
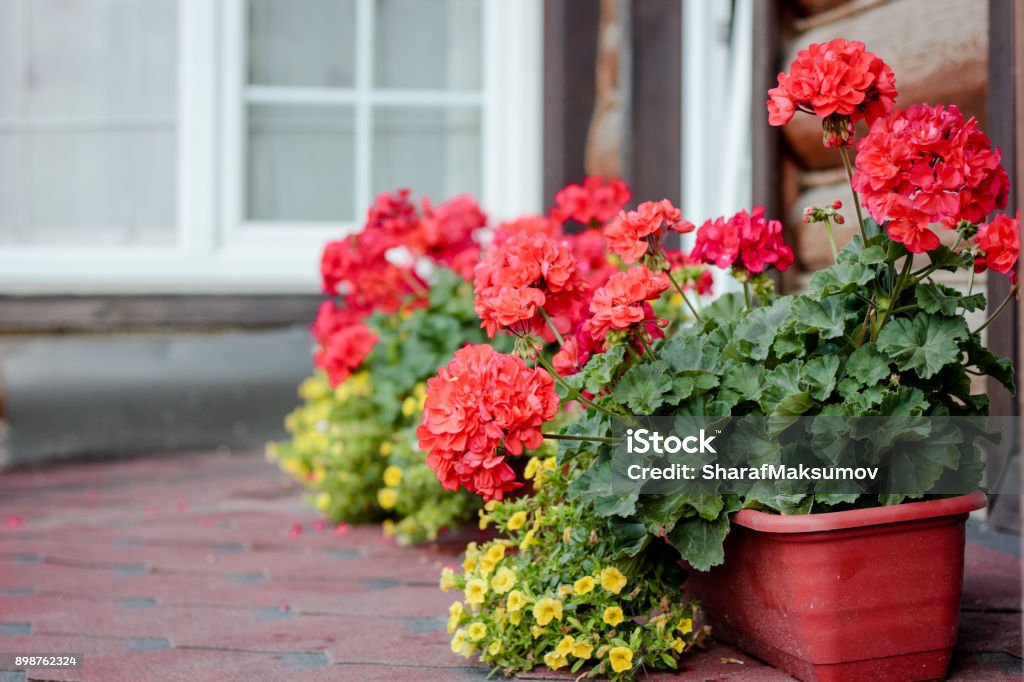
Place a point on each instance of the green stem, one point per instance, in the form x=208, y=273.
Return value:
x=596, y=439
x=572, y=393
x=970, y=286
x=908, y=262
x=551, y=325
x=831, y=240
x=999, y=310
x=856, y=199
x=746, y=294
x=647, y=346
x=682, y=293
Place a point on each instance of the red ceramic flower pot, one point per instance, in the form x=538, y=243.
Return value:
x=869, y=594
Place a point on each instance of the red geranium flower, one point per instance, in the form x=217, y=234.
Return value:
x=621, y=303
x=634, y=234
x=480, y=401
x=839, y=81
x=446, y=234
x=690, y=272
x=522, y=275
x=928, y=165
x=343, y=341
x=593, y=202
x=999, y=242
x=746, y=241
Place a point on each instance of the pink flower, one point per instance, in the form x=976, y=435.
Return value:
x=746, y=241
x=343, y=341
x=634, y=234
x=593, y=202
x=482, y=401
x=621, y=303
x=999, y=242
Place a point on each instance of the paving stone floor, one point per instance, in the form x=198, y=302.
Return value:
x=208, y=567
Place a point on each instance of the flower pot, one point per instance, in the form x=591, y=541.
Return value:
x=867, y=594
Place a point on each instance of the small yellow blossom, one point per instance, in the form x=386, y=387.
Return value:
x=516, y=600
x=388, y=528
x=545, y=609
x=515, y=618
x=678, y=645
x=537, y=631
x=477, y=631
x=494, y=648
x=504, y=580
x=583, y=585
x=392, y=476
x=458, y=641
x=517, y=520
x=554, y=660
x=409, y=406
x=385, y=449
x=564, y=647
x=447, y=579
x=685, y=626
x=387, y=498
x=323, y=501
x=496, y=553
x=455, y=612
x=527, y=540
x=582, y=650
x=491, y=505
x=476, y=590
x=612, y=580
x=485, y=520
x=621, y=658
x=564, y=590
x=531, y=468
x=613, y=615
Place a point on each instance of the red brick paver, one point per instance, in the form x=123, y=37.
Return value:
x=208, y=567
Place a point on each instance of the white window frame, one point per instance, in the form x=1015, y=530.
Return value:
x=214, y=251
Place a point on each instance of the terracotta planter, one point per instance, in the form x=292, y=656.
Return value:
x=870, y=594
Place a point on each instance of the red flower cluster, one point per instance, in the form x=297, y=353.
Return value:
x=838, y=79
x=622, y=302
x=633, y=234
x=370, y=280
x=593, y=202
x=526, y=273
x=446, y=234
x=483, y=400
x=343, y=341
x=928, y=165
x=746, y=241
x=999, y=243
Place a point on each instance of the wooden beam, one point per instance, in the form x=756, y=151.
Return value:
x=570, y=54
x=765, y=139
x=654, y=166
x=101, y=314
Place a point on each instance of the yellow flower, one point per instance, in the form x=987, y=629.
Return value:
x=527, y=540
x=582, y=650
x=504, y=580
x=387, y=498
x=612, y=580
x=531, y=468
x=485, y=566
x=537, y=631
x=469, y=565
x=565, y=646
x=496, y=553
x=494, y=648
x=613, y=615
x=515, y=618
x=516, y=600
x=388, y=528
x=392, y=476
x=323, y=501
x=385, y=449
x=545, y=609
x=554, y=660
x=491, y=505
x=447, y=579
x=477, y=631
x=318, y=475
x=621, y=658
x=476, y=590
x=679, y=645
x=685, y=626
x=455, y=612
x=485, y=520
x=583, y=585
x=517, y=520
x=409, y=406
x=458, y=641
x=564, y=590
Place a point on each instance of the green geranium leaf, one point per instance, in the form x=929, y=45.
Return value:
x=867, y=366
x=600, y=370
x=757, y=331
x=611, y=494
x=699, y=541
x=644, y=387
x=825, y=317
x=689, y=352
x=986, y=361
x=935, y=298
x=819, y=375
x=924, y=344
x=842, y=277
x=945, y=258
x=873, y=255
x=689, y=384
x=746, y=380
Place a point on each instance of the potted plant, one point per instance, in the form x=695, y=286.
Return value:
x=827, y=582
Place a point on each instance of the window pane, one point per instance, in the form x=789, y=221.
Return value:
x=88, y=100
x=434, y=151
x=302, y=42
x=428, y=44
x=301, y=163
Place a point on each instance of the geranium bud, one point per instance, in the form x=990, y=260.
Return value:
x=837, y=204
x=809, y=211
x=839, y=219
